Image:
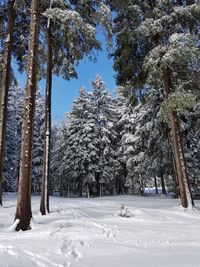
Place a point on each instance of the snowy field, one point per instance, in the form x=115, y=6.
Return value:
x=89, y=233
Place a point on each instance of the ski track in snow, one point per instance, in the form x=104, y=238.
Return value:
x=89, y=233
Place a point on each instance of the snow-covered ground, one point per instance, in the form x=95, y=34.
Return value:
x=89, y=233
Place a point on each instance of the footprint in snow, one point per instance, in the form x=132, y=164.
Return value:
x=108, y=232
x=10, y=250
x=72, y=249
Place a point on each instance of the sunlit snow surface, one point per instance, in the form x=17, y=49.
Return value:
x=89, y=233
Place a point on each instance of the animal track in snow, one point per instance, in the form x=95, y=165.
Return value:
x=72, y=251
x=10, y=250
x=89, y=221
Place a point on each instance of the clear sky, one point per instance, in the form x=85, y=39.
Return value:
x=64, y=92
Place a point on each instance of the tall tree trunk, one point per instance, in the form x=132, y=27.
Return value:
x=80, y=188
x=116, y=187
x=184, y=187
x=97, y=178
x=87, y=191
x=100, y=189
x=156, y=185
x=44, y=203
x=5, y=86
x=173, y=166
x=23, y=212
x=68, y=190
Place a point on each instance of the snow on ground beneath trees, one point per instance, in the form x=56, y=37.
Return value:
x=89, y=233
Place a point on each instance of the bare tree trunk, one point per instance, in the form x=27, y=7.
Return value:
x=44, y=203
x=100, y=189
x=68, y=191
x=5, y=86
x=156, y=185
x=87, y=191
x=79, y=186
x=97, y=178
x=173, y=166
x=184, y=187
x=23, y=212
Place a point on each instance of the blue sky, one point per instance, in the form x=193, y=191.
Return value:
x=64, y=92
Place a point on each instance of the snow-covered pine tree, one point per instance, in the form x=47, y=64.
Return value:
x=38, y=144
x=158, y=147
x=57, y=159
x=125, y=128
x=121, y=105
x=160, y=45
x=190, y=124
x=132, y=148
x=13, y=137
x=23, y=211
x=104, y=110
x=156, y=162
x=81, y=152
x=71, y=30
x=89, y=142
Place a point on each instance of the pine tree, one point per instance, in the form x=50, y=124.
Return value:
x=12, y=138
x=23, y=212
x=164, y=46
x=126, y=128
x=105, y=116
x=121, y=105
x=89, y=142
x=80, y=148
x=6, y=76
x=17, y=43
x=38, y=144
x=189, y=130
x=57, y=159
x=78, y=39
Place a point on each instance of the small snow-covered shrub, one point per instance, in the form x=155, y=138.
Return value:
x=124, y=212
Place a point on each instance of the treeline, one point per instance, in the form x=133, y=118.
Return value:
x=156, y=53
x=107, y=145
x=16, y=98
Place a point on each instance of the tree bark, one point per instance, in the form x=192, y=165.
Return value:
x=68, y=190
x=156, y=185
x=173, y=166
x=100, y=189
x=97, y=178
x=184, y=187
x=5, y=86
x=23, y=212
x=44, y=203
x=87, y=191
x=80, y=188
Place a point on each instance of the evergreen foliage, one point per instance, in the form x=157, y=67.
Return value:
x=13, y=134
x=38, y=144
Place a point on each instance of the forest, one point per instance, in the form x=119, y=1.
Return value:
x=143, y=135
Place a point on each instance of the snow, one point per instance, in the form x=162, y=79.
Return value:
x=90, y=233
